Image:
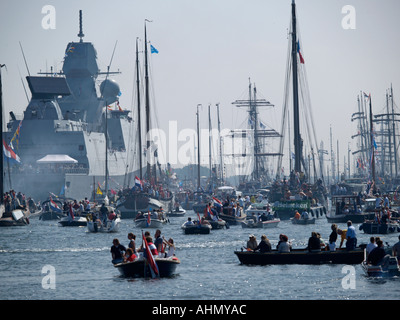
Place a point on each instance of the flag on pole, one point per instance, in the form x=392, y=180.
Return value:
x=150, y=258
x=54, y=206
x=71, y=215
x=300, y=55
x=148, y=222
x=98, y=191
x=153, y=50
x=138, y=183
x=9, y=153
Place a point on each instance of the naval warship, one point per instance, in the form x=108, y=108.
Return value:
x=73, y=134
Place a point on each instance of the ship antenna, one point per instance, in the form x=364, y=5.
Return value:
x=80, y=35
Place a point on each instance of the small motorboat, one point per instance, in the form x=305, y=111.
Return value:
x=52, y=210
x=17, y=217
x=150, y=220
x=178, y=212
x=374, y=227
x=393, y=269
x=140, y=268
x=108, y=227
x=75, y=222
x=303, y=221
x=250, y=223
x=233, y=218
x=196, y=228
x=218, y=224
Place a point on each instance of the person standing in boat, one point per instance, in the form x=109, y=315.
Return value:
x=333, y=237
x=171, y=247
x=351, y=236
x=103, y=213
x=159, y=241
x=132, y=243
x=396, y=250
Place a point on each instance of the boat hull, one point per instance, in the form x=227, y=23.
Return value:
x=77, y=222
x=303, y=221
x=379, y=228
x=301, y=257
x=260, y=224
x=196, y=229
x=377, y=271
x=140, y=268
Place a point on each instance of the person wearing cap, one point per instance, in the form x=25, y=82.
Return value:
x=251, y=243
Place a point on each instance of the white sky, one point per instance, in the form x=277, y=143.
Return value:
x=208, y=49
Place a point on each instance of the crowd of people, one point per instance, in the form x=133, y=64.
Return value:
x=160, y=247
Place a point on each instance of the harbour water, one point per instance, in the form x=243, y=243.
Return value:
x=209, y=269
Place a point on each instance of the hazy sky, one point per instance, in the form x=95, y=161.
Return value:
x=209, y=49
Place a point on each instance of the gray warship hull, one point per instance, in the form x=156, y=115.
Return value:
x=73, y=132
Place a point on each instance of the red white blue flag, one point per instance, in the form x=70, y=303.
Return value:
x=300, y=55
x=54, y=206
x=150, y=259
x=138, y=183
x=9, y=153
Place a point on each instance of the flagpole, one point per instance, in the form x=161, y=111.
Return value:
x=2, y=146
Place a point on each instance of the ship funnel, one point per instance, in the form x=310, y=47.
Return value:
x=80, y=34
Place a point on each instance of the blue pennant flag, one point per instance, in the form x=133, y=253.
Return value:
x=153, y=50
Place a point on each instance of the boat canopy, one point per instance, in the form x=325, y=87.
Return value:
x=56, y=158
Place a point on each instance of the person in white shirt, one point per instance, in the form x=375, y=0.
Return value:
x=371, y=246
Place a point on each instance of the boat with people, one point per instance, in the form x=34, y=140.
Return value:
x=234, y=215
x=140, y=268
x=52, y=210
x=77, y=221
x=378, y=227
x=251, y=223
x=351, y=207
x=302, y=221
x=16, y=217
x=108, y=225
x=154, y=219
x=177, y=212
x=392, y=270
x=302, y=256
x=196, y=228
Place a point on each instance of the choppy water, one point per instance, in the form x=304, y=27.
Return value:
x=209, y=269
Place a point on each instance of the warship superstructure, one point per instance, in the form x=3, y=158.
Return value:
x=73, y=132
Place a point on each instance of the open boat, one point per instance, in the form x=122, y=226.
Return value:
x=75, y=222
x=302, y=256
x=151, y=220
x=393, y=269
x=16, y=217
x=139, y=268
x=178, y=212
x=108, y=227
x=250, y=223
x=303, y=221
x=233, y=219
x=196, y=228
x=373, y=227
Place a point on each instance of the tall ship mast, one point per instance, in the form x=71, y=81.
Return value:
x=260, y=137
x=305, y=187
x=73, y=131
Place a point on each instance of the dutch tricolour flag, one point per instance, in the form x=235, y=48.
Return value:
x=9, y=153
x=138, y=182
x=54, y=206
